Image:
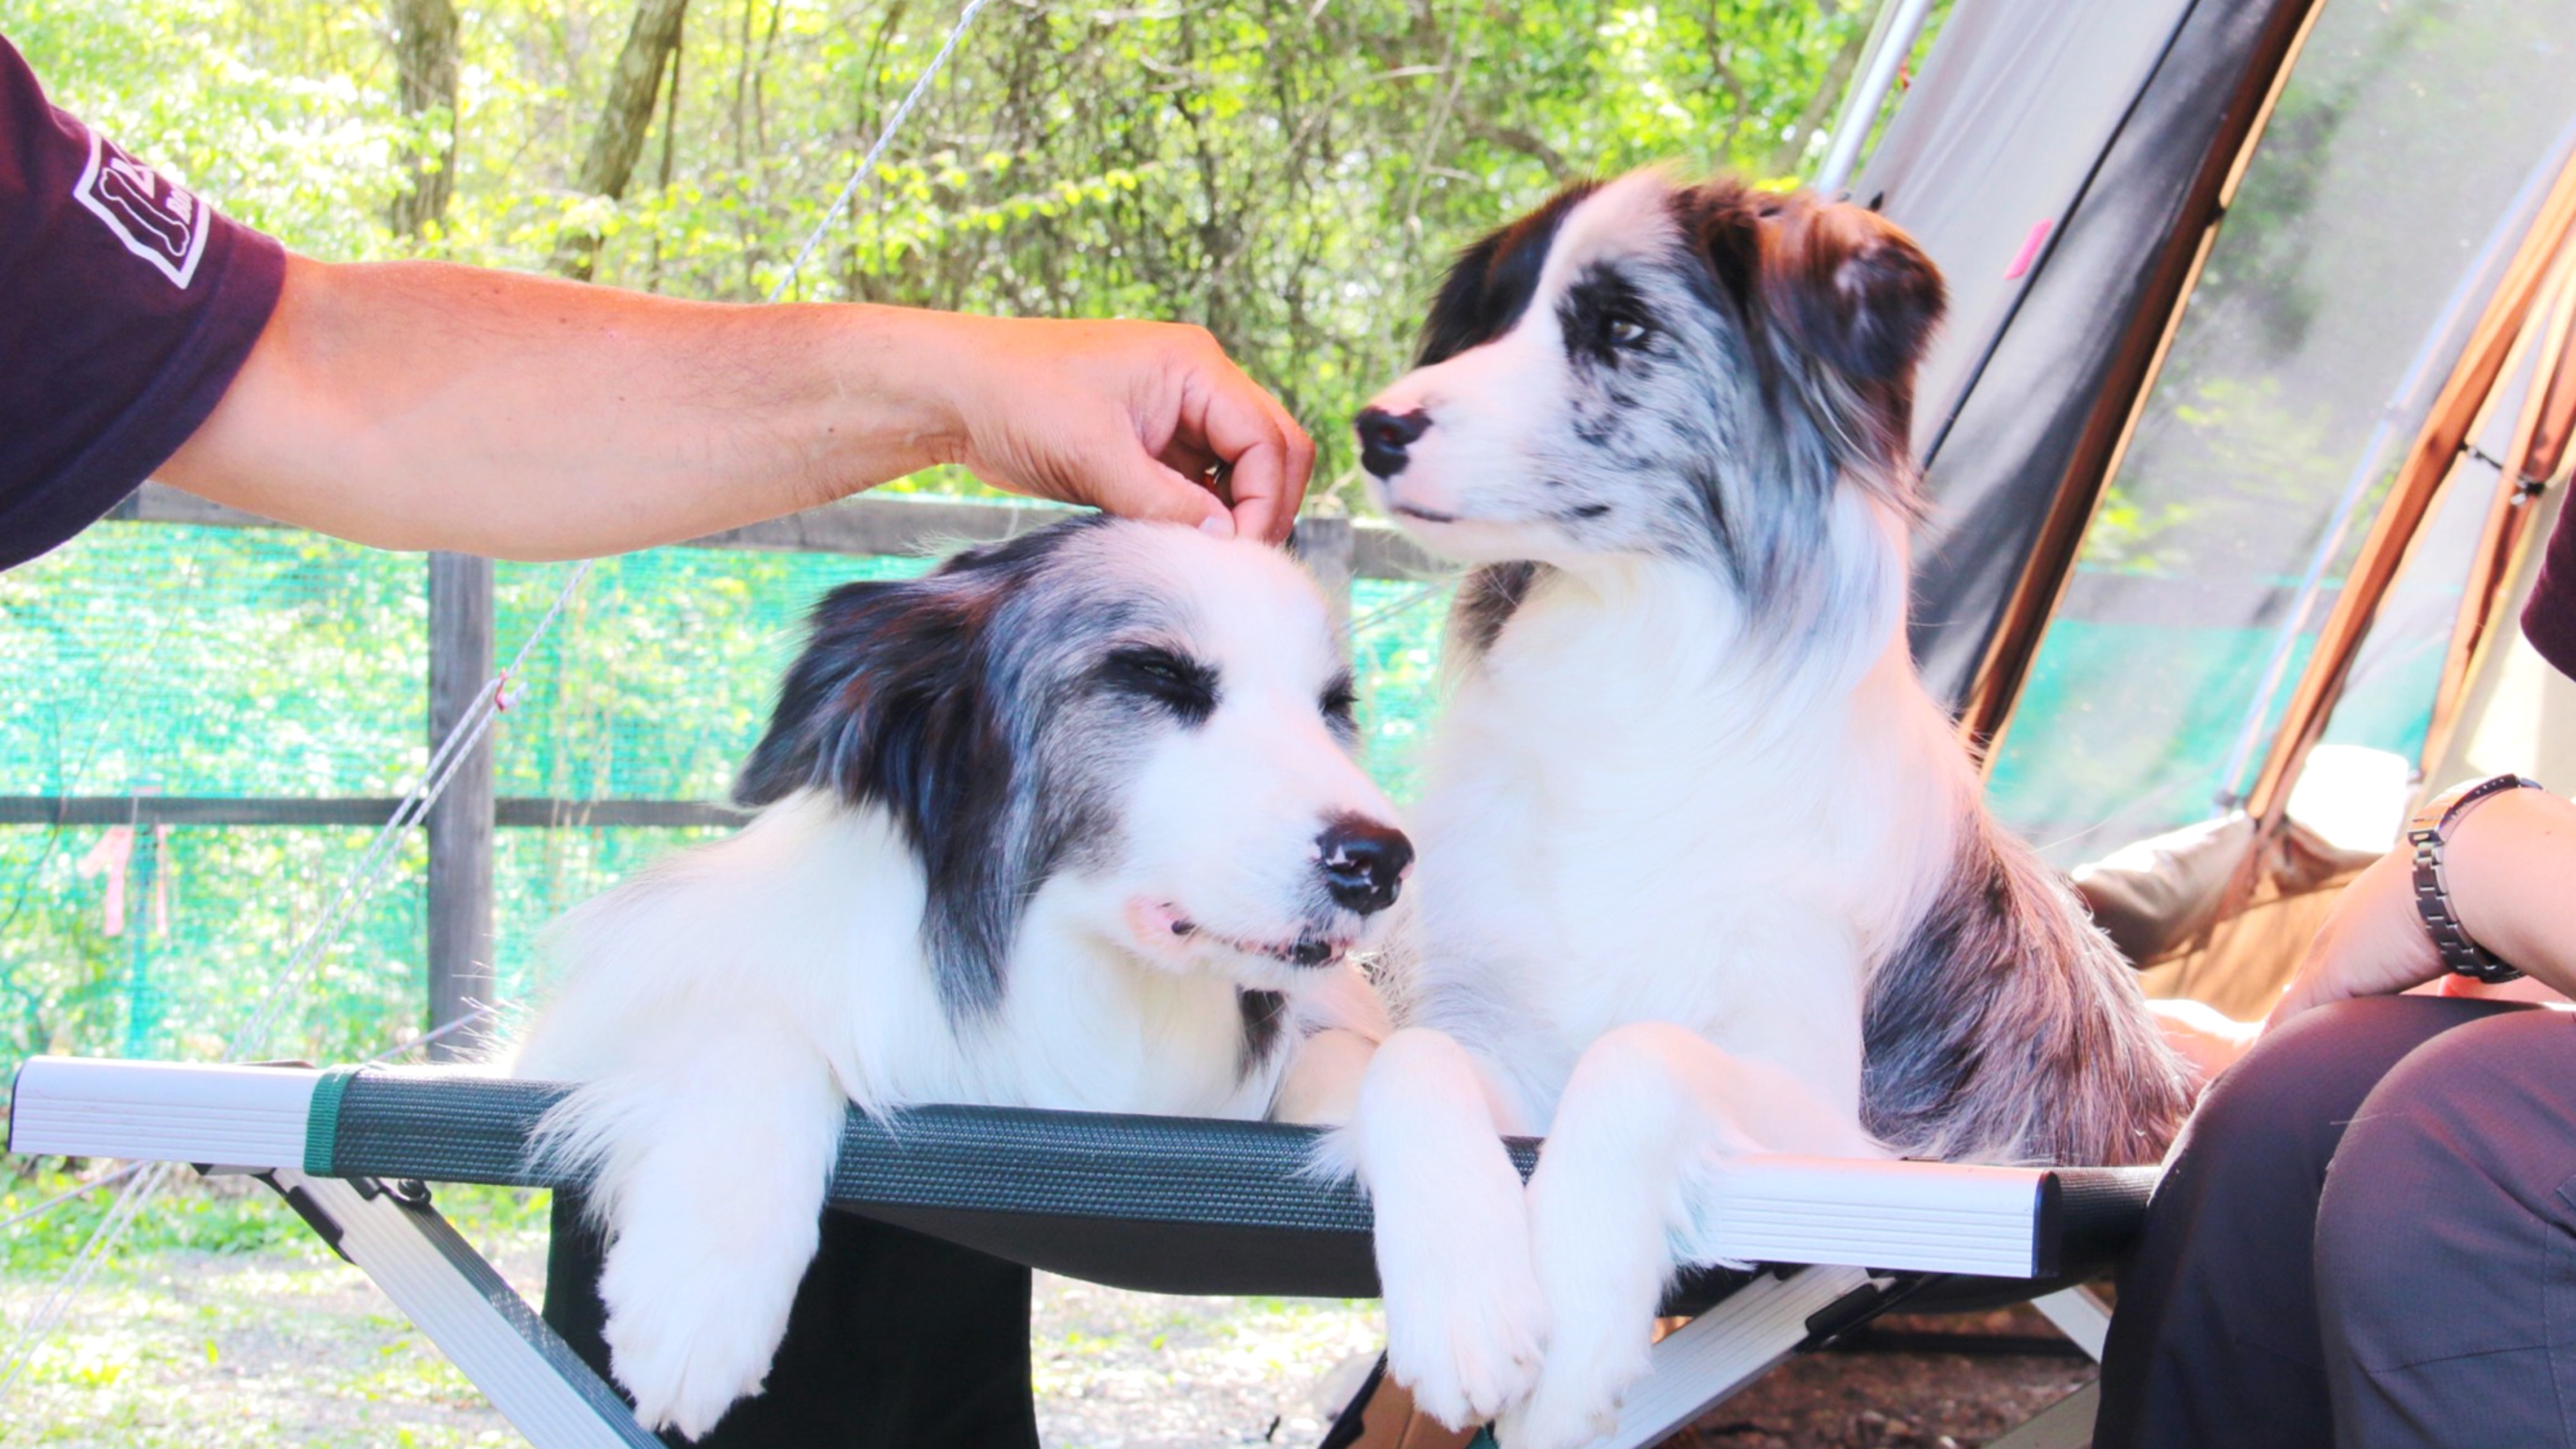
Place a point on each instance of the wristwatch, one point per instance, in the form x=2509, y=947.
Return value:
x=2426, y=833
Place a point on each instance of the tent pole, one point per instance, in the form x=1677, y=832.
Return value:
x=1994, y=693
x=2410, y=398
x=2464, y=397
x=2531, y=464
x=1901, y=22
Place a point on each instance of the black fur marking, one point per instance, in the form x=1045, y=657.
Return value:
x=1490, y=285
x=907, y=697
x=1265, y=1016
x=2006, y=1029
x=1340, y=707
x=1605, y=321
x=1185, y=686
x=1486, y=601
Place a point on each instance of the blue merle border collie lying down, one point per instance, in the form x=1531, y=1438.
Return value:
x=1070, y=823
x=1705, y=871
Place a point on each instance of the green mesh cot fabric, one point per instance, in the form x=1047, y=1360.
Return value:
x=1158, y=1204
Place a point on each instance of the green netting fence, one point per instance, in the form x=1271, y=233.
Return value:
x=193, y=661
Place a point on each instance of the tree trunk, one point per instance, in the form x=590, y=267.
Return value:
x=424, y=39
x=1789, y=158
x=624, y=120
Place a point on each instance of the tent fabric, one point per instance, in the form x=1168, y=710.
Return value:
x=2056, y=77
x=2356, y=251
x=1993, y=147
x=2519, y=714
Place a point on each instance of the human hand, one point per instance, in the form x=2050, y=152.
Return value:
x=2208, y=1040
x=1141, y=419
x=2373, y=942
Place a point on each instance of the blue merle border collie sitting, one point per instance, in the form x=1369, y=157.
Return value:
x=1071, y=822
x=1705, y=871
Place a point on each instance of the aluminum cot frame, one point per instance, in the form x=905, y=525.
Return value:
x=1171, y=1205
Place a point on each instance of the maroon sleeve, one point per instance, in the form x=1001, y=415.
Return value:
x=126, y=306
x=2549, y=619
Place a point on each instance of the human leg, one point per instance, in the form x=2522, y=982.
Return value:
x=2216, y=1339
x=2446, y=1244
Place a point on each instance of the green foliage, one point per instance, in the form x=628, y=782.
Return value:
x=216, y=1215
x=1291, y=175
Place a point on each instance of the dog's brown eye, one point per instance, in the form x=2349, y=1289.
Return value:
x=1627, y=332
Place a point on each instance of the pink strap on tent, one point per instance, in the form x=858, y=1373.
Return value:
x=2029, y=252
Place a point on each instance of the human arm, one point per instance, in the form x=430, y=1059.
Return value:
x=420, y=405
x=2511, y=866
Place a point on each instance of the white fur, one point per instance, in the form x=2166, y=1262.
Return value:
x=724, y=1009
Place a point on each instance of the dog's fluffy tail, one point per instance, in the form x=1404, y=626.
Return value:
x=2007, y=1029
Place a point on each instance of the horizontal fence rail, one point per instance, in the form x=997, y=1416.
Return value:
x=891, y=525
x=1336, y=550
x=360, y=810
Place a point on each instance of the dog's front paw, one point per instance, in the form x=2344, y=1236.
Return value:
x=1465, y=1319
x=688, y=1344
x=1470, y=1349
x=1576, y=1399
x=681, y=1376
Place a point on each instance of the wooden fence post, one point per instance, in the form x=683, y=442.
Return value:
x=460, y=824
x=1329, y=552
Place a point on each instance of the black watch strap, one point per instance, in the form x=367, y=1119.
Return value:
x=2426, y=834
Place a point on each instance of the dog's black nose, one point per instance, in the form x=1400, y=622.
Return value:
x=1384, y=436
x=1364, y=863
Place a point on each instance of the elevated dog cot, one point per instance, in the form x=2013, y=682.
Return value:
x=1167, y=1205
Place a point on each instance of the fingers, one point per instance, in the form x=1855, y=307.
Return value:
x=1132, y=418
x=1130, y=484
x=1268, y=456
x=2325, y=973
x=2301, y=994
x=2373, y=943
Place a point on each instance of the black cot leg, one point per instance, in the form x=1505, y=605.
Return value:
x=897, y=1341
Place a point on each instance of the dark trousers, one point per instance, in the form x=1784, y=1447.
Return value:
x=2367, y=1237
x=897, y=1341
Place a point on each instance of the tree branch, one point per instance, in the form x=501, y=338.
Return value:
x=624, y=118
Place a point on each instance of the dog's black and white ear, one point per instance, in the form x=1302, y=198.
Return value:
x=891, y=705
x=1857, y=291
x=883, y=706
x=1838, y=283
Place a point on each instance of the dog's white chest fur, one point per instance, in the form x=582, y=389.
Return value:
x=1616, y=793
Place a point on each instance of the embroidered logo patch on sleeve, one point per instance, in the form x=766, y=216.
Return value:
x=157, y=221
